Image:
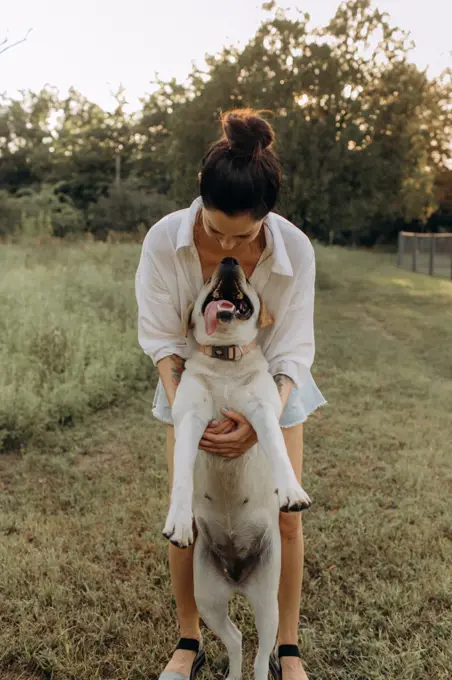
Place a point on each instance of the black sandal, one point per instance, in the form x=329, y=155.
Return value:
x=283, y=650
x=193, y=646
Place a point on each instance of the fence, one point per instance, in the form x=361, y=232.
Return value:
x=426, y=253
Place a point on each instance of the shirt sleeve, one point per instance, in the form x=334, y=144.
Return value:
x=292, y=348
x=160, y=327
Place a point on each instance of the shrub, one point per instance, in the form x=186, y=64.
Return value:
x=128, y=209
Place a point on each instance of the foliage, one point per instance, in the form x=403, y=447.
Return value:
x=362, y=133
x=44, y=213
x=360, y=129
x=126, y=208
x=10, y=214
x=67, y=335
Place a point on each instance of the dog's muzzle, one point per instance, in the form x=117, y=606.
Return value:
x=227, y=287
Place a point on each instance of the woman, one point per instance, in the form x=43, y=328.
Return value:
x=239, y=183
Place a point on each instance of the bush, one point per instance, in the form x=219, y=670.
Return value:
x=30, y=214
x=128, y=209
x=59, y=211
x=9, y=214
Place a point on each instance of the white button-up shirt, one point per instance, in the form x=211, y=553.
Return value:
x=169, y=278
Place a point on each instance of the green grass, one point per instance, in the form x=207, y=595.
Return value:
x=84, y=588
x=67, y=335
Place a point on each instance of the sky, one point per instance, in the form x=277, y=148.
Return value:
x=97, y=45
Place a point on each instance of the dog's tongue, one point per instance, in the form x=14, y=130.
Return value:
x=210, y=314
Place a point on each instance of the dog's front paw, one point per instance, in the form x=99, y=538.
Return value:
x=179, y=527
x=293, y=498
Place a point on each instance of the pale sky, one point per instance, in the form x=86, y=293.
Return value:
x=96, y=45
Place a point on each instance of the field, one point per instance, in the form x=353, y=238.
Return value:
x=84, y=588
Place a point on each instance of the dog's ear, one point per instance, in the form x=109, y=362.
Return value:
x=187, y=319
x=265, y=318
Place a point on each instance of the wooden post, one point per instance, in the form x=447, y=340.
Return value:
x=431, y=264
x=400, y=249
x=413, y=263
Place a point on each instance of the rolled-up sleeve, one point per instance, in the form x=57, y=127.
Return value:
x=292, y=347
x=160, y=327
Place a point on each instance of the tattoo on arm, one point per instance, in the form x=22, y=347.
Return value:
x=177, y=368
x=281, y=380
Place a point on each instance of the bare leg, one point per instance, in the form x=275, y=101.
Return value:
x=181, y=570
x=292, y=554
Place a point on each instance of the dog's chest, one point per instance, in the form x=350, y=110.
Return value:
x=229, y=389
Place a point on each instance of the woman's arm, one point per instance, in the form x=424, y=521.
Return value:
x=170, y=370
x=160, y=326
x=292, y=347
x=285, y=386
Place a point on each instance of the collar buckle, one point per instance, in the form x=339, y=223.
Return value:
x=227, y=352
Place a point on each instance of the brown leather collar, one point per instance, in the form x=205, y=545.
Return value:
x=226, y=352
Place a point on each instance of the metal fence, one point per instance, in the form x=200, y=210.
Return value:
x=426, y=253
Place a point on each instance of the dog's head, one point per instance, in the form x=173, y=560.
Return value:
x=228, y=311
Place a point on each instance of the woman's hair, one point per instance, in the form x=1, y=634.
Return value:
x=241, y=172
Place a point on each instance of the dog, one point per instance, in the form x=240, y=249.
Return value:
x=235, y=503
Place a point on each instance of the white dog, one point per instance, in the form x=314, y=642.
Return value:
x=235, y=502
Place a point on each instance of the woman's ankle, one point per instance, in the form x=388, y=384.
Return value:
x=193, y=632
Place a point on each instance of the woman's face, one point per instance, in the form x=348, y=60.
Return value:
x=230, y=232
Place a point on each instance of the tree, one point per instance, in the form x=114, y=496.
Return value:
x=87, y=142
x=26, y=141
x=362, y=133
x=361, y=130
x=4, y=46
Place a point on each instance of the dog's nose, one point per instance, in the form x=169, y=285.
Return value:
x=229, y=262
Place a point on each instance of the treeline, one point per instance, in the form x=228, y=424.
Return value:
x=363, y=135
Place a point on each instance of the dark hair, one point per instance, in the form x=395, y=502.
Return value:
x=241, y=172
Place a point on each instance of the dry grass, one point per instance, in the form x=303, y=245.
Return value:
x=84, y=589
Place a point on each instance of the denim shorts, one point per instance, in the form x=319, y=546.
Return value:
x=301, y=403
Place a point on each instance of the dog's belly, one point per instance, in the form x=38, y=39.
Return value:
x=234, y=560
x=236, y=512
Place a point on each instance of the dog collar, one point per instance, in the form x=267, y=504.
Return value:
x=226, y=352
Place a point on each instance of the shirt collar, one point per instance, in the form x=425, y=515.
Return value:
x=281, y=263
x=185, y=233
x=275, y=243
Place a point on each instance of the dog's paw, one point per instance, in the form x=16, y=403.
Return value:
x=293, y=498
x=179, y=528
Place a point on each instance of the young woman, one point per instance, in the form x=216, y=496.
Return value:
x=239, y=182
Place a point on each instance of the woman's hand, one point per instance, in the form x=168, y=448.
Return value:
x=229, y=438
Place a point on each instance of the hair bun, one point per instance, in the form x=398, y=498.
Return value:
x=246, y=132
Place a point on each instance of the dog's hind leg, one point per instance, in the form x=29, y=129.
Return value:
x=262, y=593
x=212, y=594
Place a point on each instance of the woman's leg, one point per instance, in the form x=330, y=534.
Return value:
x=292, y=553
x=181, y=570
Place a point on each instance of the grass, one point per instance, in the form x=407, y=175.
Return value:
x=67, y=335
x=84, y=587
